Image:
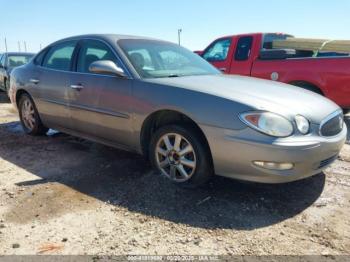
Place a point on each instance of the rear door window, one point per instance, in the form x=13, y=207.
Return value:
x=38, y=60
x=60, y=56
x=244, y=47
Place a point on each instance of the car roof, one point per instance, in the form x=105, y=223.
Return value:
x=112, y=38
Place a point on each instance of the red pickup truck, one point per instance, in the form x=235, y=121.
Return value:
x=253, y=55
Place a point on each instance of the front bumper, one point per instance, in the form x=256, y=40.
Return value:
x=234, y=152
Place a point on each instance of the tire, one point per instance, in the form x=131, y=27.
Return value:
x=309, y=87
x=196, y=163
x=29, y=117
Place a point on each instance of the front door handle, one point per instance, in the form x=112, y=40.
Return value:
x=34, y=81
x=223, y=69
x=77, y=87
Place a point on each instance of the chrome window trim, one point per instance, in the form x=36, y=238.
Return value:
x=329, y=117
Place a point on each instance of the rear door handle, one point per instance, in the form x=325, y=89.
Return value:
x=34, y=81
x=222, y=69
x=77, y=87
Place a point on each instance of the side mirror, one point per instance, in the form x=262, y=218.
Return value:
x=106, y=67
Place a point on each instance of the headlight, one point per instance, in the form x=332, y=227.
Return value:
x=303, y=124
x=268, y=123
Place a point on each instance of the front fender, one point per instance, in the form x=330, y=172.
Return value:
x=201, y=107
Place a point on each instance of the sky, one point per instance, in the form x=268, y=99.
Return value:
x=41, y=22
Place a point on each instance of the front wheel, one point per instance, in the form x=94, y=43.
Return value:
x=180, y=154
x=29, y=116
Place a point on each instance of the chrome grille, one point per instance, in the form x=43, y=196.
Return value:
x=333, y=124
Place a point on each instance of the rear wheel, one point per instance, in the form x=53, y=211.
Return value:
x=308, y=87
x=29, y=116
x=180, y=154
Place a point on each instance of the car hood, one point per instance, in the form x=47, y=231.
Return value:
x=258, y=94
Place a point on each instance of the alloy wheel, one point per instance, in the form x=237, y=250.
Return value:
x=176, y=157
x=28, y=114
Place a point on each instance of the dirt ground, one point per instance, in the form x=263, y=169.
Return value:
x=63, y=195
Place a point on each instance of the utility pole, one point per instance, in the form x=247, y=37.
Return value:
x=19, y=46
x=5, y=45
x=25, y=46
x=179, y=31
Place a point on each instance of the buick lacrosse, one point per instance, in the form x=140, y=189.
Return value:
x=167, y=103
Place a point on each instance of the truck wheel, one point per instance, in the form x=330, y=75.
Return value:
x=29, y=117
x=180, y=154
x=308, y=87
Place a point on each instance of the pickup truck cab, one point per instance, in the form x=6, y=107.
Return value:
x=253, y=55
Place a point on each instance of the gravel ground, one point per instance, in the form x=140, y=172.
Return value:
x=63, y=195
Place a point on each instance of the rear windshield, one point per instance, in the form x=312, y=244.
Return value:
x=269, y=38
x=18, y=60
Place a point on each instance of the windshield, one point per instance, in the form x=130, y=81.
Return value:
x=155, y=59
x=18, y=60
x=269, y=38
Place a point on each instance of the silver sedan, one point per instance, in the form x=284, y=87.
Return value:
x=165, y=102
